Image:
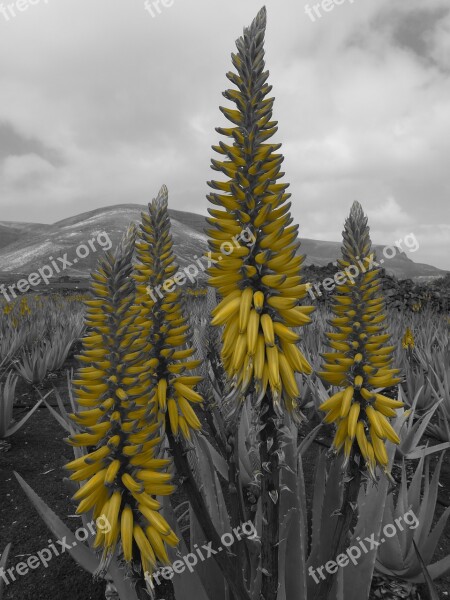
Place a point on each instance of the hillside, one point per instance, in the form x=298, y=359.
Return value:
x=26, y=247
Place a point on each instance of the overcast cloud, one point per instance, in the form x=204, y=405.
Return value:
x=101, y=104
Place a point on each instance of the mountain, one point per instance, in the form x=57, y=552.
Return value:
x=84, y=234
x=26, y=247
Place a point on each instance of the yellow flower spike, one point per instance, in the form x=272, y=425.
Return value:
x=164, y=326
x=121, y=402
x=252, y=198
x=408, y=342
x=360, y=359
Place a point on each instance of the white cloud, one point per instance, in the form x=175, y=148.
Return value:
x=128, y=102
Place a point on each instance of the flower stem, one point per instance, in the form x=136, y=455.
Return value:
x=225, y=564
x=270, y=501
x=344, y=522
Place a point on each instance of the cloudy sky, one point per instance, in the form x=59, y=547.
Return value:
x=101, y=103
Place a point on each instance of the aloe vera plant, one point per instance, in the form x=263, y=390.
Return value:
x=33, y=364
x=396, y=555
x=7, y=394
x=411, y=429
x=259, y=282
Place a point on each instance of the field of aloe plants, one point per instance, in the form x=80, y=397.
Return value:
x=236, y=442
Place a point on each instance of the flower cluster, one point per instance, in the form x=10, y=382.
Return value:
x=360, y=360
x=260, y=283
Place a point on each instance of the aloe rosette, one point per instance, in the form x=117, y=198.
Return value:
x=360, y=361
x=259, y=281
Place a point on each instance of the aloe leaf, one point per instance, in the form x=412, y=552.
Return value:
x=212, y=490
x=331, y=505
x=390, y=552
x=416, y=485
x=22, y=422
x=429, y=505
x=371, y=504
x=417, y=431
x=318, y=497
x=209, y=573
x=79, y=551
x=123, y=585
x=64, y=424
x=439, y=569
x=219, y=462
x=337, y=591
x=62, y=408
x=429, y=546
x=415, y=454
x=246, y=470
x=3, y=561
x=186, y=585
x=431, y=587
x=293, y=524
x=308, y=440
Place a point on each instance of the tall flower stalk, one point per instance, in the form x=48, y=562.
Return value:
x=121, y=472
x=361, y=360
x=165, y=327
x=170, y=379
x=259, y=282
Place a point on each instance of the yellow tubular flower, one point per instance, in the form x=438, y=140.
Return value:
x=359, y=359
x=166, y=328
x=121, y=409
x=253, y=241
x=408, y=342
